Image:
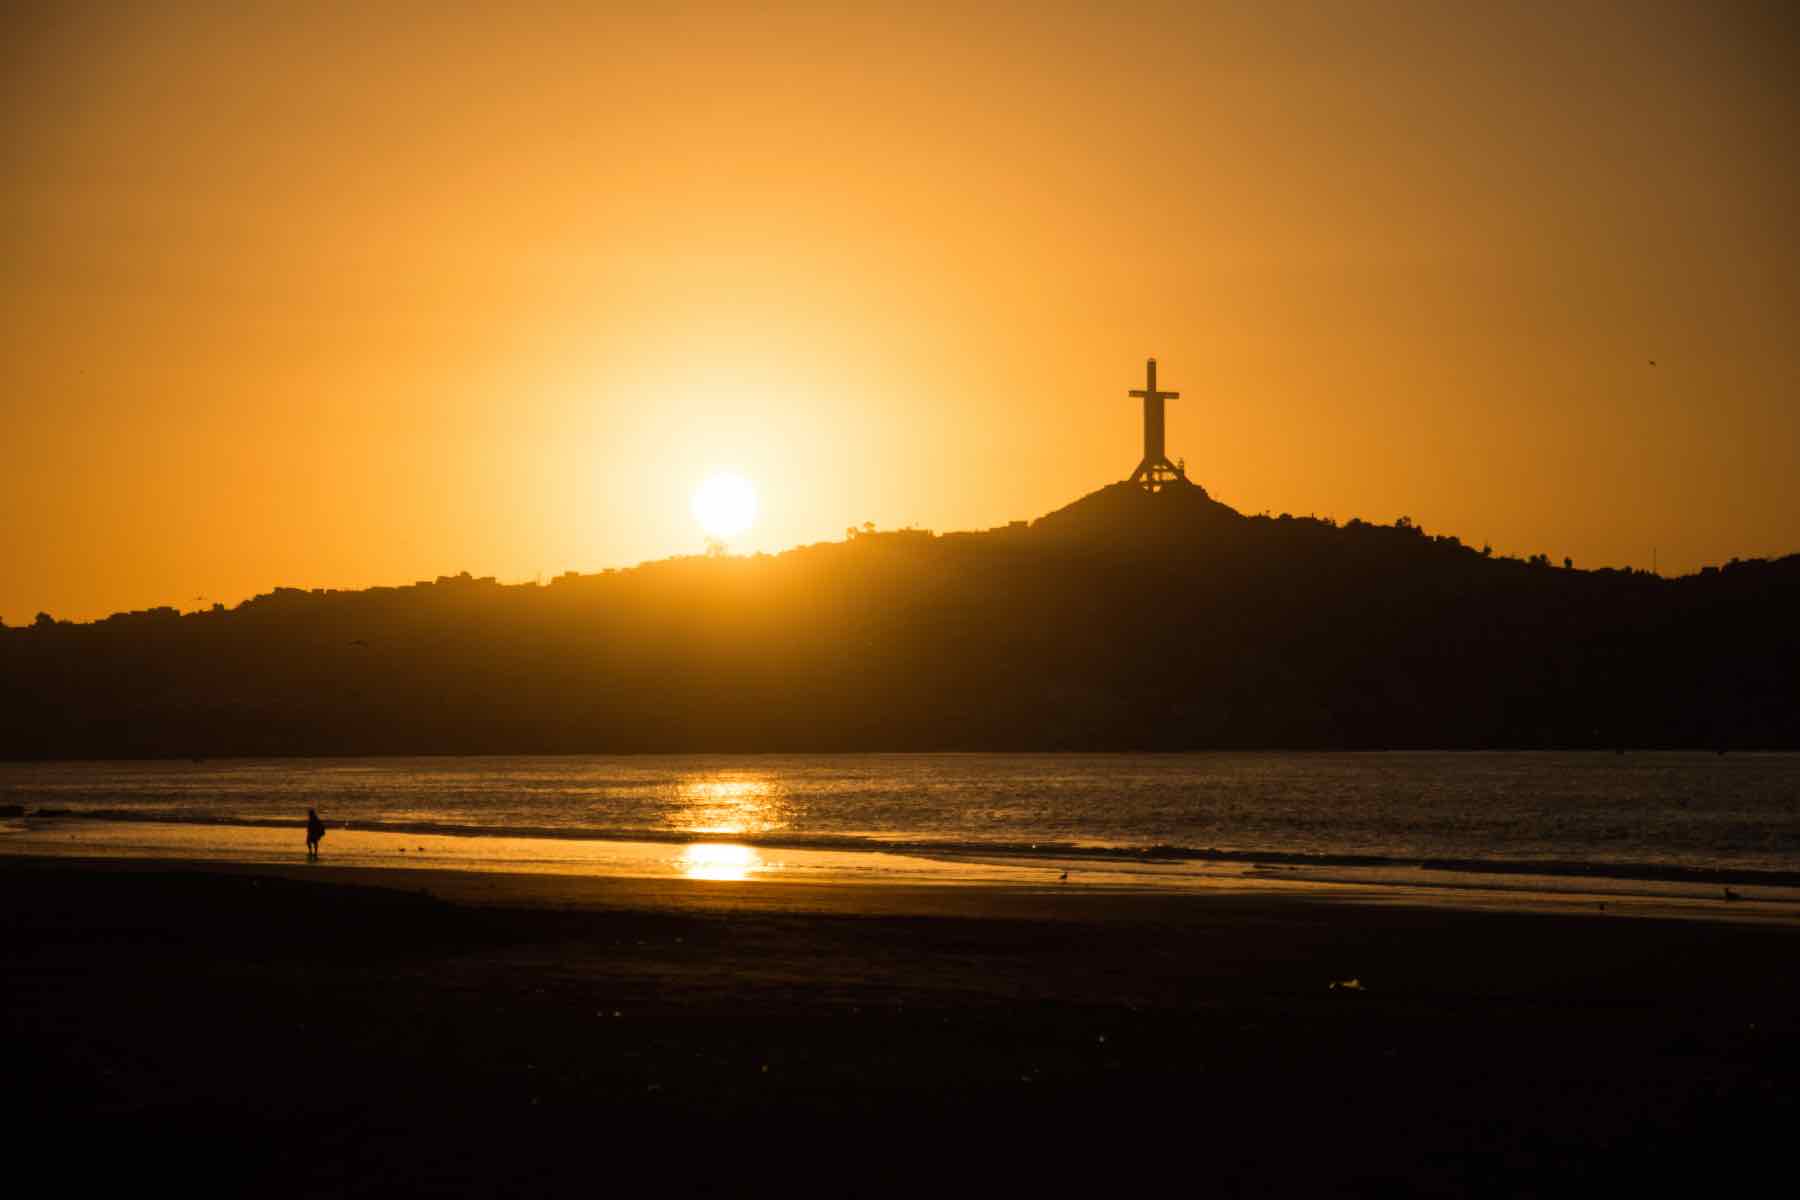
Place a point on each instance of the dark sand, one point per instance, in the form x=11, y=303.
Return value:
x=317, y=1030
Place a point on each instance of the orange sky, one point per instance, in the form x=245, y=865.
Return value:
x=324, y=296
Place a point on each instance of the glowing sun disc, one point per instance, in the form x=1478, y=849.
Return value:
x=725, y=505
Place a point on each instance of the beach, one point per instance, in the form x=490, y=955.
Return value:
x=297, y=1030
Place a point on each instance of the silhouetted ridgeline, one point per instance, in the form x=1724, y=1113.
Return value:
x=1126, y=620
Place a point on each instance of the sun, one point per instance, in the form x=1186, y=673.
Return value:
x=725, y=505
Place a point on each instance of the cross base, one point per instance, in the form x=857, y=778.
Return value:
x=1155, y=474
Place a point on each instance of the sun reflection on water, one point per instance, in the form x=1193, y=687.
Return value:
x=735, y=805
x=718, y=860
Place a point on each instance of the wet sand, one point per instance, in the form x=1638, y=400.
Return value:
x=301, y=1030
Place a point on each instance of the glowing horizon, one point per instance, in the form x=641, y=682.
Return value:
x=289, y=306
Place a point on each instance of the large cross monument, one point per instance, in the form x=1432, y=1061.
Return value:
x=1156, y=471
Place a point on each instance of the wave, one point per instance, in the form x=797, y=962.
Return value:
x=1165, y=854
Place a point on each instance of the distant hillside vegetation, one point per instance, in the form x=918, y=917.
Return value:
x=1124, y=621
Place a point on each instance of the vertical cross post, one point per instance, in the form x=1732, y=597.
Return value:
x=1155, y=471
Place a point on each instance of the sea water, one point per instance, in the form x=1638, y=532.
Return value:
x=1671, y=816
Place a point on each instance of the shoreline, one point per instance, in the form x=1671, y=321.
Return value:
x=772, y=864
x=42, y=818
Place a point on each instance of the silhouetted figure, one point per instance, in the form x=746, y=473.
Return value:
x=315, y=829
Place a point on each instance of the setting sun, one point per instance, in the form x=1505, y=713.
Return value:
x=725, y=505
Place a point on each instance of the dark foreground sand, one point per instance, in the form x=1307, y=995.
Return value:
x=260, y=1030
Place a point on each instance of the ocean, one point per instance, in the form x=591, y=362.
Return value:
x=1658, y=816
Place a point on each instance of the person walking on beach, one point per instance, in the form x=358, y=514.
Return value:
x=315, y=829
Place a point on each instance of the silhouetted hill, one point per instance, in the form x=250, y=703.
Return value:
x=1121, y=515
x=1125, y=620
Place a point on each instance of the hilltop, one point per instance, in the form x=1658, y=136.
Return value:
x=1126, y=620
